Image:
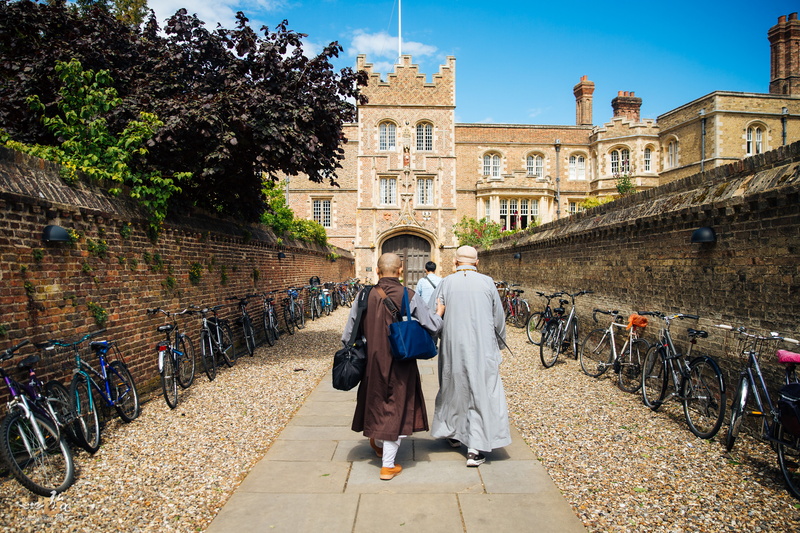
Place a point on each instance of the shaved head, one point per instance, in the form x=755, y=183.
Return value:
x=389, y=265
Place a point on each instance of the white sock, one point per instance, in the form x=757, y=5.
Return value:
x=472, y=450
x=390, y=452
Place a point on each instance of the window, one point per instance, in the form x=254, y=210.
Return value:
x=577, y=167
x=534, y=209
x=425, y=136
x=573, y=208
x=425, y=191
x=322, y=212
x=648, y=155
x=621, y=161
x=615, y=162
x=672, y=154
x=387, y=135
x=755, y=140
x=535, y=166
x=388, y=191
x=518, y=213
x=491, y=165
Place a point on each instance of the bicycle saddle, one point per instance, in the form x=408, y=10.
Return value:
x=166, y=327
x=99, y=345
x=697, y=333
x=785, y=356
x=29, y=361
x=559, y=310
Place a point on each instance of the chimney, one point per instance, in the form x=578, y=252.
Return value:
x=583, y=92
x=627, y=105
x=784, y=43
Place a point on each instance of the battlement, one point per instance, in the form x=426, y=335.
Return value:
x=407, y=86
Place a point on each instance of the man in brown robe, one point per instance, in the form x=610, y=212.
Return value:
x=389, y=404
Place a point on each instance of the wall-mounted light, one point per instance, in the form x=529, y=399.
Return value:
x=55, y=234
x=518, y=256
x=704, y=234
x=281, y=255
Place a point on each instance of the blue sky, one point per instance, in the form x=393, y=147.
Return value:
x=516, y=62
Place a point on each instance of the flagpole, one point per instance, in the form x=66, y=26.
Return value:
x=399, y=30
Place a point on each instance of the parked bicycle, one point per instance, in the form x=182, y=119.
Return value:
x=697, y=382
x=176, y=357
x=342, y=294
x=248, y=332
x=538, y=320
x=516, y=307
x=32, y=444
x=316, y=300
x=293, y=313
x=269, y=320
x=216, y=341
x=562, y=332
x=599, y=351
x=111, y=384
x=780, y=425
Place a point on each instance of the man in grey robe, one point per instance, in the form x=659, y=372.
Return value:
x=471, y=404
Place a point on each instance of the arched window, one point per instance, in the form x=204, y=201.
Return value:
x=672, y=154
x=615, y=162
x=387, y=136
x=425, y=136
x=491, y=165
x=577, y=167
x=534, y=165
x=648, y=160
x=755, y=140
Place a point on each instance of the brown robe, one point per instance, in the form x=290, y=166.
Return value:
x=389, y=401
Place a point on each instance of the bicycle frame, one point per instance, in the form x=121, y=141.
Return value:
x=101, y=348
x=26, y=397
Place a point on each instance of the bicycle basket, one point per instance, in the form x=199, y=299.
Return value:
x=637, y=321
x=789, y=405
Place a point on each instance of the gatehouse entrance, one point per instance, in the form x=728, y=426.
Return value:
x=414, y=251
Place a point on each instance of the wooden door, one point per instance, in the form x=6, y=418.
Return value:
x=414, y=251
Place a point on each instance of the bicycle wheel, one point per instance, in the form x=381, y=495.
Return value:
x=789, y=460
x=299, y=315
x=552, y=341
x=226, y=348
x=57, y=396
x=88, y=421
x=574, y=338
x=703, y=393
x=596, y=353
x=533, y=328
x=209, y=357
x=737, y=411
x=328, y=305
x=316, y=308
x=630, y=365
x=288, y=319
x=41, y=467
x=249, y=335
x=186, y=362
x=169, y=379
x=269, y=333
x=654, y=378
x=123, y=391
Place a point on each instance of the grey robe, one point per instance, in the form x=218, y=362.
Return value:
x=471, y=403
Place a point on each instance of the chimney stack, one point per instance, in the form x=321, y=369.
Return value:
x=784, y=44
x=583, y=92
x=627, y=105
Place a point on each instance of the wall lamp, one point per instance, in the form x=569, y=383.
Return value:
x=55, y=234
x=281, y=255
x=704, y=234
x=518, y=256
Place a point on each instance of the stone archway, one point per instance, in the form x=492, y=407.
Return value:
x=414, y=251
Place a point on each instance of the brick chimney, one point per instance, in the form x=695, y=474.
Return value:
x=627, y=105
x=583, y=92
x=784, y=42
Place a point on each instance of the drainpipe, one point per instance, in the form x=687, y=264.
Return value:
x=558, y=179
x=703, y=141
x=784, y=114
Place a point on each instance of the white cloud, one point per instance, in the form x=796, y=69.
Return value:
x=383, y=45
x=213, y=11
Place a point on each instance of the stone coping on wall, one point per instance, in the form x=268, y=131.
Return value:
x=773, y=174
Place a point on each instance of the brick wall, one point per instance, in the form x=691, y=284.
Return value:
x=45, y=288
x=636, y=253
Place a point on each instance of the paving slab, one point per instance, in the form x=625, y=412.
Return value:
x=403, y=513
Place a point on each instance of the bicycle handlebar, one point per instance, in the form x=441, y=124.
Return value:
x=10, y=351
x=609, y=312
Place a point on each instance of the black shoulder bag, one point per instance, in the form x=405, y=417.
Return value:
x=350, y=362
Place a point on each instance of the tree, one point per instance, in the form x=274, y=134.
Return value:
x=235, y=105
x=625, y=186
x=483, y=232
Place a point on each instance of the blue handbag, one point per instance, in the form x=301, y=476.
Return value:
x=408, y=339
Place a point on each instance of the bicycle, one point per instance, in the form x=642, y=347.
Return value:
x=779, y=425
x=248, y=332
x=112, y=382
x=293, y=314
x=269, y=320
x=697, y=381
x=342, y=295
x=516, y=307
x=176, y=357
x=216, y=339
x=537, y=320
x=561, y=332
x=599, y=351
x=315, y=300
x=31, y=443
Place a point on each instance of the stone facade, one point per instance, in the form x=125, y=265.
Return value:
x=519, y=175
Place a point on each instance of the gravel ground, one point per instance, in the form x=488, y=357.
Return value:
x=621, y=466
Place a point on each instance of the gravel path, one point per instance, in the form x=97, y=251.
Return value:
x=621, y=467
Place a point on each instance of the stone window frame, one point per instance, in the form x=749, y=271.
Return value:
x=492, y=164
x=387, y=135
x=573, y=168
x=672, y=152
x=387, y=191
x=425, y=198
x=534, y=165
x=620, y=160
x=647, y=157
x=319, y=212
x=424, y=139
x=755, y=138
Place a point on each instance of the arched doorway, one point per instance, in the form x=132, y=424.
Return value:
x=414, y=251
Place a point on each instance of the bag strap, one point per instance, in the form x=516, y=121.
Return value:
x=361, y=307
x=406, y=306
x=389, y=304
x=429, y=281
